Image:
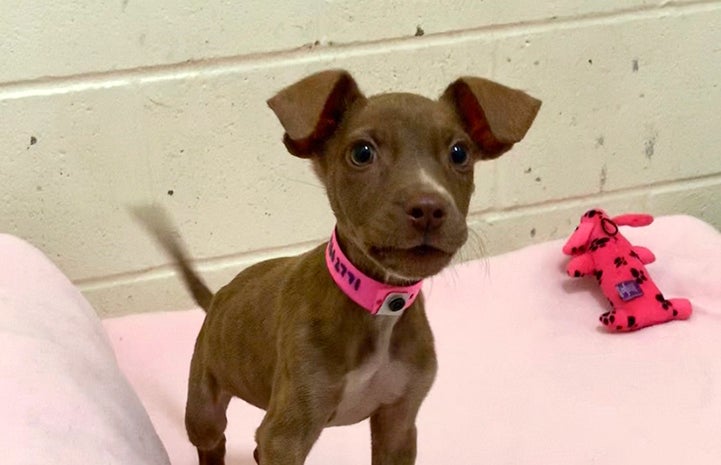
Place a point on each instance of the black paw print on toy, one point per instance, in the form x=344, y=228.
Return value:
x=599, y=243
x=666, y=304
x=619, y=262
x=577, y=250
x=639, y=275
x=610, y=302
x=609, y=318
x=598, y=274
x=635, y=255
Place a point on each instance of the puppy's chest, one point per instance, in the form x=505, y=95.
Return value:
x=379, y=380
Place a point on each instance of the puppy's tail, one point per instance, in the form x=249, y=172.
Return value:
x=157, y=222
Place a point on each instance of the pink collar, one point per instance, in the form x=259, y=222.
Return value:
x=376, y=297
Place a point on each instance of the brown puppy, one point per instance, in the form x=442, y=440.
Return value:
x=283, y=335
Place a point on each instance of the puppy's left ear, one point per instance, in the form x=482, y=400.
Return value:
x=495, y=116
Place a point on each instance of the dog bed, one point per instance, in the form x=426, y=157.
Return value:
x=526, y=376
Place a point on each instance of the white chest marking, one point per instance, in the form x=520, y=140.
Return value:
x=379, y=380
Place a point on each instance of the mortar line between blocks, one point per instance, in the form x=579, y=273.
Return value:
x=204, y=265
x=54, y=85
x=571, y=202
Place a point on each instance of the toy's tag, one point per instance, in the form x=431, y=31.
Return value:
x=628, y=290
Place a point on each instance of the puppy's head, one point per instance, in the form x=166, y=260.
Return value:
x=398, y=168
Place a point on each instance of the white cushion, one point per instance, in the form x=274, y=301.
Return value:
x=63, y=399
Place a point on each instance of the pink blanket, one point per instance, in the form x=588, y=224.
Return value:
x=527, y=376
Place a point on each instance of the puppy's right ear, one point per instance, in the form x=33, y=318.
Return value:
x=311, y=109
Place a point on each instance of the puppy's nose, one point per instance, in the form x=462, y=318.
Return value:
x=426, y=212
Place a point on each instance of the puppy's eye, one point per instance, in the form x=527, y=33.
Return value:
x=459, y=155
x=362, y=154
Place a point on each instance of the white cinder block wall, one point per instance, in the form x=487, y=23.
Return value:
x=104, y=105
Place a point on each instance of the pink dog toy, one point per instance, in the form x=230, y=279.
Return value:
x=597, y=247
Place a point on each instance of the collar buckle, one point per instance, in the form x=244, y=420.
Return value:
x=395, y=303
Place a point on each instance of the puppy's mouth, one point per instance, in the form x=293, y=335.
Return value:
x=424, y=250
x=418, y=261
x=420, y=251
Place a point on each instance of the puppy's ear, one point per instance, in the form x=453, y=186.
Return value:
x=495, y=116
x=311, y=109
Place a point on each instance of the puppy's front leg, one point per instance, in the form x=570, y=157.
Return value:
x=299, y=409
x=393, y=433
